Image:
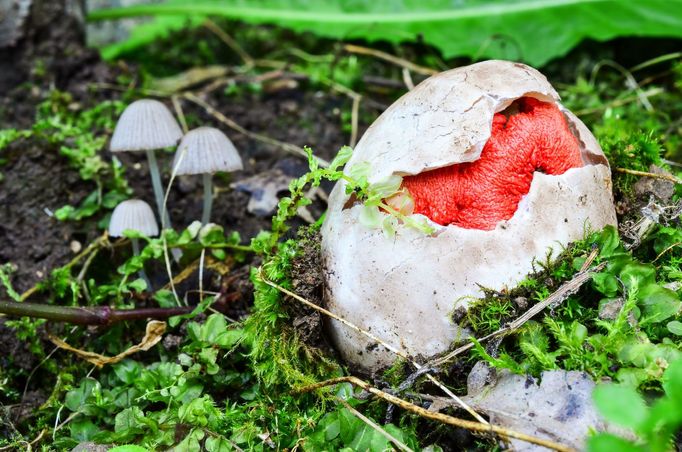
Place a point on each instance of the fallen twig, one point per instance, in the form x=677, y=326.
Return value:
x=288, y=147
x=26, y=443
x=407, y=79
x=668, y=177
x=652, y=92
x=180, y=113
x=439, y=417
x=94, y=246
x=231, y=43
x=352, y=48
x=562, y=293
x=374, y=425
x=386, y=345
x=97, y=315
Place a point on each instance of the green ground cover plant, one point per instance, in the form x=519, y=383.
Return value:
x=228, y=384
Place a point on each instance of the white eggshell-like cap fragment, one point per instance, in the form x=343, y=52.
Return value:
x=145, y=125
x=133, y=214
x=206, y=150
x=404, y=289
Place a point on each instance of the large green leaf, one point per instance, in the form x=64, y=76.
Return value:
x=534, y=31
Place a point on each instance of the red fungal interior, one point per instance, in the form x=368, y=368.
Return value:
x=529, y=136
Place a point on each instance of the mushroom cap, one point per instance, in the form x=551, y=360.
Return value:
x=206, y=150
x=404, y=289
x=133, y=214
x=145, y=124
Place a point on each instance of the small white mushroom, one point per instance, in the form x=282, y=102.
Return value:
x=134, y=215
x=146, y=125
x=206, y=150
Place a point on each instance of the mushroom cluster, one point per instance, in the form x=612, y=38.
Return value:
x=147, y=125
x=502, y=173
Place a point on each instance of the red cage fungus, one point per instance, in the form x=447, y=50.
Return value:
x=529, y=136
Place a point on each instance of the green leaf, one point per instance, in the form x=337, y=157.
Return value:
x=329, y=426
x=360, y=171
x=675, y=327
x=76, y=398
x=349, y=425
x=605, y=442
x=129, y=421
x=211, y=233
x=478, y=29
x=658, y=303
x=621, y=405
x=127, y=371
x=165, y=298
x=83, y=429
x=672, y=380
x=608, y=241
x=219, y=444
x=341, y=158
x=606, y=283
x=635, y=275
x=138, y=285
x=389, y=226
x=128, y=448
x=386, y=187
x=370, y=217
x=631, y=376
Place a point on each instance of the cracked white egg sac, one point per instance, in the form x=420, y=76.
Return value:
x=404, y=288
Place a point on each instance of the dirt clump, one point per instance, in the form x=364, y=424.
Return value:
x=307, y=281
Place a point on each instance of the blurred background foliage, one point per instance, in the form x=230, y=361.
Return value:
x=533, y=31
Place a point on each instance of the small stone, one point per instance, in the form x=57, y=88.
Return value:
x=75, y=246
x=171, y=341
x=289, y=106
x=609, y=309
x=521, y=302
x=661, y=188
x=90, y=446
x=481, y=374
x=673, y=285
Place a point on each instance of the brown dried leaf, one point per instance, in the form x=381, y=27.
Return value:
x=153, y=335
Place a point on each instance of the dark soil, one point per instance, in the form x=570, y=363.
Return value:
x=307, y=281
x=37, y=181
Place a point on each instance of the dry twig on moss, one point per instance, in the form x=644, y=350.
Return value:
x=376, y=339
x=374, y=425
x=667, y=177
x=561, y=294
x=439, y=417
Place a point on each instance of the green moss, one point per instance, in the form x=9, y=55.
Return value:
x=278, y=356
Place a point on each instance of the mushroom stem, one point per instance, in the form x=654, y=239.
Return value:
x=136, y=251
x=158, y=190
x=208, y=198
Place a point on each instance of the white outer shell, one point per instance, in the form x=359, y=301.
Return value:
x=404, y=289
